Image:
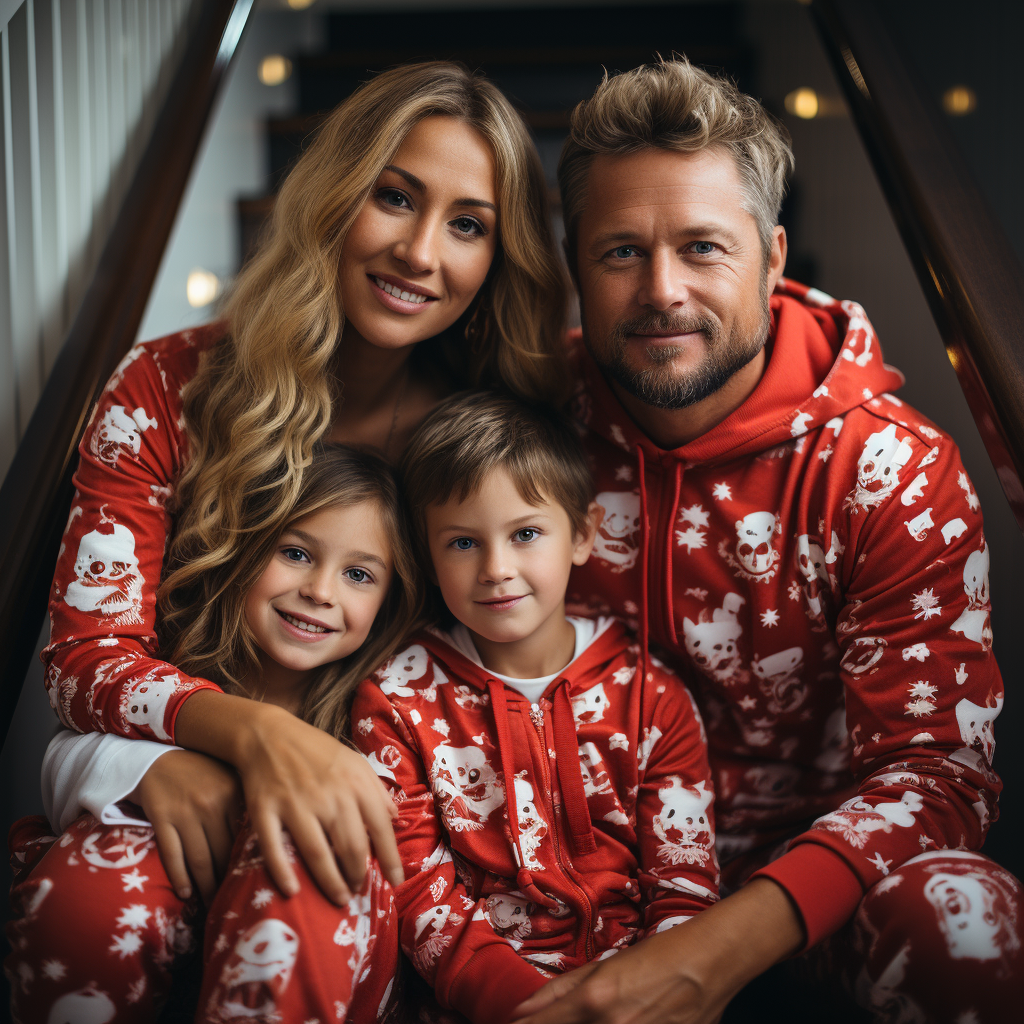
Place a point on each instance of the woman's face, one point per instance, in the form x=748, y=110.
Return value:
x=421, y=246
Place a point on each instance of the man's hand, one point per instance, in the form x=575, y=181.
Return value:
x=297, y=777
x=194, y=803
x=686, y=975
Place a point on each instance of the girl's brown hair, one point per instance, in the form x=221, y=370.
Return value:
x=203, y=629
x=265, y=395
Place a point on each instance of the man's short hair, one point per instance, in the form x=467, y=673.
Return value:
x=676, y=106
x=472, y=433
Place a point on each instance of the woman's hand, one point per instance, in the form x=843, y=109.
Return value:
x=194, y=803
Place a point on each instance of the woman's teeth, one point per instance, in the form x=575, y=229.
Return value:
x=398, y=293
x=308, y=626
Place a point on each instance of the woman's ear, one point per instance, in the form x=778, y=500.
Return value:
x=583, y=543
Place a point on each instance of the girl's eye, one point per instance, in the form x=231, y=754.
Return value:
x=394, y=197
x=462, y=543
x=358, y=575
x=295, y=554
x=527, y=534
x=468, y=226
x=703, y=248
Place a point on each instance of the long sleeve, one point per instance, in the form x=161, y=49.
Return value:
x=922, y=687
x=446, y=933
x=674, y=811
x=102, y=672
x=94, y=773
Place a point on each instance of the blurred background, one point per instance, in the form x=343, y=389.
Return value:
x=298, y=58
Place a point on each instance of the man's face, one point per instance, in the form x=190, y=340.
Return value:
x=672, y=278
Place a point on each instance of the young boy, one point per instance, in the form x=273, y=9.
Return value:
x=552, y=780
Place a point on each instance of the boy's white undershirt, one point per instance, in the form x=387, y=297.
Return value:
x=587, y=631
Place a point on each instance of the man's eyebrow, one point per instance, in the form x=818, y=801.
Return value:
x=359, y=556
x=420, y=187
x=694, y=231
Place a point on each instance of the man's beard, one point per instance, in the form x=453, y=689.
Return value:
x=656, y=385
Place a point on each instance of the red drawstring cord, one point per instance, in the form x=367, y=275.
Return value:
x=645, y=535
x=669, y=592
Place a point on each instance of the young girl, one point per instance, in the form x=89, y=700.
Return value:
x=297, y=620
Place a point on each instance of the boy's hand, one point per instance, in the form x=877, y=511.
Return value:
x=194, y=803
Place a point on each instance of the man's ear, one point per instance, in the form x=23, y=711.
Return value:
x=583, y=543
x=777, y=256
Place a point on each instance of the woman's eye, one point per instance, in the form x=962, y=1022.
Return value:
x=462, y=543
x=393, y=197
x=468, y=226
x=527, y=534
x=703, y=248
x=358, y=575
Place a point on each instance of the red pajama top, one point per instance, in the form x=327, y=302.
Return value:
x=536, y=838
x=816, y=565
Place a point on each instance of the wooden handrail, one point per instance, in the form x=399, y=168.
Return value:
x=968, y=270
x=36, y=492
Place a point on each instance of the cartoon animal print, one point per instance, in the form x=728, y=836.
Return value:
x=755, y=558
x=107, y=578
x=683, y=824
x=257, y=972
x=87, y=1005
x=406, y=674
x=856, y=819
x=429, y=935
x=121, y=847
x=509, y=916
x=878, y=469
x=812, y=566
x=618, y=537
x=590, y=706
x=532, y=827
x=974, y=621
x=977, y=726
x=595, y=777
x=119, y=431
x=466, y=786
x=357, y=936
x=863, y=655
x=779, y=678
x=711, y=640
x=144, y=701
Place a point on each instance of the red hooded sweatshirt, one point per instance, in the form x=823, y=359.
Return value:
x=537, y=837
x=815, y=565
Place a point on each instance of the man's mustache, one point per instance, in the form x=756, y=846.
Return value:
x=667, y=323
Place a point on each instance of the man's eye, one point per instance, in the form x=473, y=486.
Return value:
x=468, y=226
x=703, y=248
x=624, y=252
x=527, y=534
x=358, y=575
x=462, y=543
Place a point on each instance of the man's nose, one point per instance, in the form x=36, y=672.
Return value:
x=419, y=249
x=663, y=286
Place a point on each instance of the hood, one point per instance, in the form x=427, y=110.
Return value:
x=824, y=361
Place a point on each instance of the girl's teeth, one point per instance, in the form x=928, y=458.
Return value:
x=398, y=293
x=308, y=626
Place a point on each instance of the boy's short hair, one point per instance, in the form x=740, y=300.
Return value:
x=471, y=433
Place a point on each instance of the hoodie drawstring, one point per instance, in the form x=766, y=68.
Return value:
x=645, y=543
x=669, y=592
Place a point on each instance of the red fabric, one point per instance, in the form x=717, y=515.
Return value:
x=96, y=929
x=828, y=603
x=102, y=673
x=495, y=900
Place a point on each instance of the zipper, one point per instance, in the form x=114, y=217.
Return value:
x=537, y=717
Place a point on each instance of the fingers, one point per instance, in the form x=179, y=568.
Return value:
x=168, y=845
x=268, y=833
x=377, y=818
x=548, y=1005
x=199, y=861
x=351, y=845
x=311, y=845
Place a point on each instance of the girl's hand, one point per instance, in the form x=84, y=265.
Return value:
x=194, y=803
x=297, y=777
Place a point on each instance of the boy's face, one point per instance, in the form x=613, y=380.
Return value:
x=503, y=564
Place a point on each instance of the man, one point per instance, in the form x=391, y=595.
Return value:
x=810, y=550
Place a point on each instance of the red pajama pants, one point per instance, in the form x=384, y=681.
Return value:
x=96, y=929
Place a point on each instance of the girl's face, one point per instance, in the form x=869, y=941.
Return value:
x=317, y=598
x=421, y=246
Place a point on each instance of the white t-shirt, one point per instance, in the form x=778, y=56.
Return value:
x=587, y=631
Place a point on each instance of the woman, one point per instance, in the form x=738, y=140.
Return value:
x=409, y=254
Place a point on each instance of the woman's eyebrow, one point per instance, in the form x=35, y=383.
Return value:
x=420, y=187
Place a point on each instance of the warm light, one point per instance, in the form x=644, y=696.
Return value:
x=202, y=288
x=803, y=103
x=274, y=69
x=959, y=100
x=300, y=5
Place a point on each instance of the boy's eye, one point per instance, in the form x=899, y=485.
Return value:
x=358, y=575
x=527, y=534
x=462, y=543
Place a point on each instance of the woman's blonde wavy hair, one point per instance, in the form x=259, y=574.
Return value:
x=204, y=631
x=265, y=394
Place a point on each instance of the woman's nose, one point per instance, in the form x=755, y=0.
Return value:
x=419, y=250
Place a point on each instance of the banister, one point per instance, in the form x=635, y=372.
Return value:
x=968, y=270
x=36, y=491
